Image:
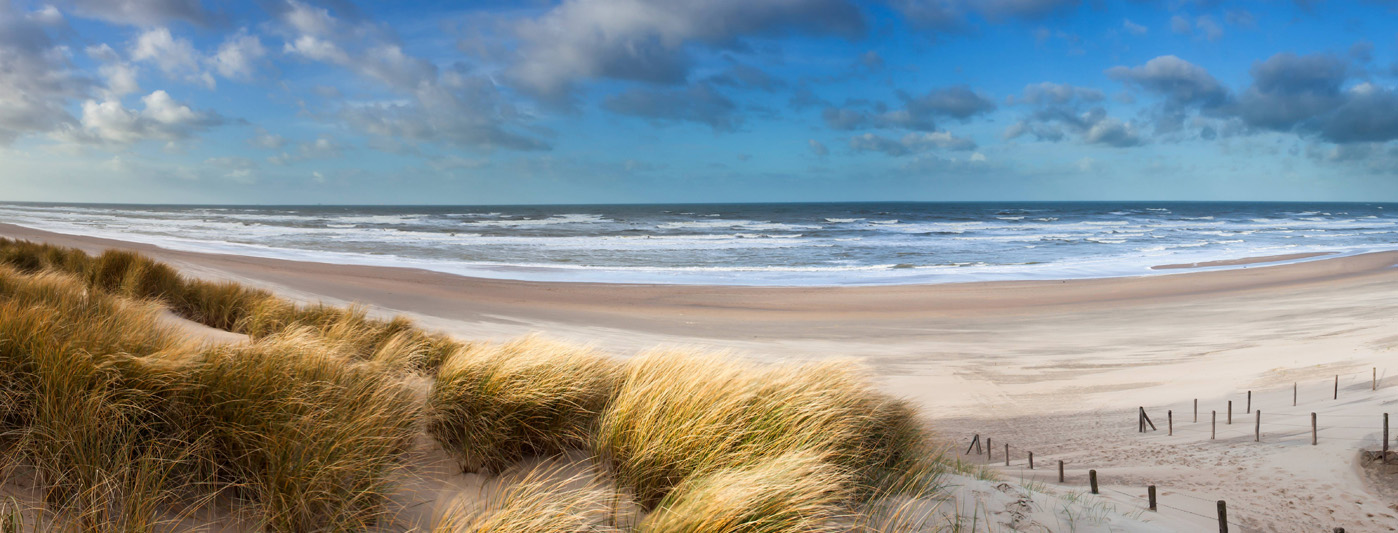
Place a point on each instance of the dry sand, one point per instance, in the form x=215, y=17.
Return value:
x=1053, y=367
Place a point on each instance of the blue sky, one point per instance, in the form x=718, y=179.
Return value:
x=618, y=101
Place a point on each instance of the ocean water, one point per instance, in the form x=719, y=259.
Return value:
x=748, y=244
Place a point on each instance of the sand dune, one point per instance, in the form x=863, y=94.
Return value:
x=1057, y=368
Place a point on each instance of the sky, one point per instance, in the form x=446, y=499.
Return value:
x=661, y=101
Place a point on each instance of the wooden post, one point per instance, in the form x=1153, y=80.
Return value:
x=974, y=441
x=1249, y=401
x=1140, y=420
x=1170, y=419
x=1213, y=428
x=1060, y=471
x=1222, y=517
x=1196, y=410
x=1146, y=418
x=1230, y=412
x=1337, y=386
x=1007, y=454
x=1293, y=394
x=1257, y=431
x=1031, y=460
x=989, y=451
x=1092, y=480
x=1385, y=438
x=1313, y=429
x=1150, y=495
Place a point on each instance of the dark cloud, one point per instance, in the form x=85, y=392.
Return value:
x=818, y=148
x=958, y=102
x=1369, y=114
x=1288, y=90
x=698, y=103
x=649, y=40
x=1362, y=51
x=1055, y=122
x=142, y=12
x=1181, y=83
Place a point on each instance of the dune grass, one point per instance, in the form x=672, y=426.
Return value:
x=124, y=423
x=799, y=491
x=679, y=415
x=233, y=307
x=544, y=499
x=128, y=426
x=494, y=405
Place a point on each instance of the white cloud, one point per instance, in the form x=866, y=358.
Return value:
x=1133, y=28
x=162, y=118
x=35, y=81
x=235, y=57
x=176, y=57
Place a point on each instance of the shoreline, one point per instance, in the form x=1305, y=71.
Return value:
x=926, y=298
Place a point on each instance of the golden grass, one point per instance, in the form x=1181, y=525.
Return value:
x=128, y=426
x=679, y=415
x=494, y=405
x=233, y=307
x=124, y=423
x=544, y=499
x=798, y=491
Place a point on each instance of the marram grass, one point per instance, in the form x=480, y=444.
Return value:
x=494, y=405
x=126, y=425
x=679, y=415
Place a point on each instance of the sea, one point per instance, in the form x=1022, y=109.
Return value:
x=774, y=244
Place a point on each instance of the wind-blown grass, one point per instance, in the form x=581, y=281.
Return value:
x=794, y=492
x=126, y=425
x=233, y=307
x=493, y=405
x=679, y=415
x=121, y=420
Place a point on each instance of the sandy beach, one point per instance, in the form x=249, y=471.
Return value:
x=1058, y=368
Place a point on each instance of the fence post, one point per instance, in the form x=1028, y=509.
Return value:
x=1170, y=419
x=1196, y=410
x=1092, y=480
x=1385, y=438
x=1150, y=493
x=1257, y=431
x=989, y=451
x=1007, y=454
x=975, y=441
x=1312, y=429
x=1230, y=412
x=1337, y=386
x=1060, y=471
x=1293, y=394
x=1140, y=420
x=1249, y=401
x=1031, y=460
x=1213, y=427
x=1222, y=517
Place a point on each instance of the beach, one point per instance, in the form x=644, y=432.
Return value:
x=1056, y=367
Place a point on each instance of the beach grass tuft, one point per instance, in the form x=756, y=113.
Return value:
x=493, y=405
x=681, y=414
